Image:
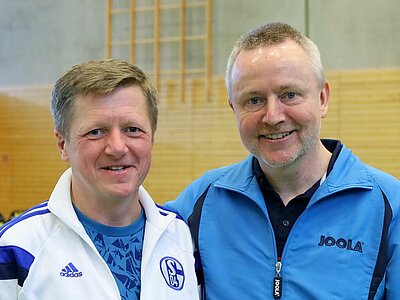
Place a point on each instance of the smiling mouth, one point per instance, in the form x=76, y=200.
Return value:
x=277, y=136
x=116, y=169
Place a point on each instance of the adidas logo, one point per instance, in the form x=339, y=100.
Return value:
x=70, y=271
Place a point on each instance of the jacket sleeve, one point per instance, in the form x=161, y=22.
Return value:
x=393, y=268
x=185, y=202
x=15, y=262
x=8, y=289
x=8, y=274
x=391, y=187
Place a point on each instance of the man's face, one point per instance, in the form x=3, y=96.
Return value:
x=110, y=145
x=278, y=103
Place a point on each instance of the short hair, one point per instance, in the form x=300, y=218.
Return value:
x=272, y=34
x=100, y=77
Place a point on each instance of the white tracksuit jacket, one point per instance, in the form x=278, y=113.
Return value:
x=39, y=244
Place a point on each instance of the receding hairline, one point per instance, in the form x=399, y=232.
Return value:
x=274, y=34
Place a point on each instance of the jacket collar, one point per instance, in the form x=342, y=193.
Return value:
x=347, y=172
x=153, y=214
x=240, y=178
x=60, y=204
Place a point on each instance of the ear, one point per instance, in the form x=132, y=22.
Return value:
x=61, y=145
x=231, y=105
x=324, y=99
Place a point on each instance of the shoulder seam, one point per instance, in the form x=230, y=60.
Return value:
x=32, y=212
x=165, y=211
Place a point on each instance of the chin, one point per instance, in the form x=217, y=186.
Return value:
x=278, y=162
x=121, y=193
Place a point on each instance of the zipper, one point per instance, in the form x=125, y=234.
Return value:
x=277, y=288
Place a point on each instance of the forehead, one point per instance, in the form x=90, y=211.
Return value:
x=128, y=95
x=285, y=61
x=124, y=101
x=284, y=51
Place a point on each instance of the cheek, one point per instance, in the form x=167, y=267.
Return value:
x=145, y=152
x=246, y=123
x=145, y=157
x=142, y=150
x=304, y=113
x=313, y=115
x=85, y=153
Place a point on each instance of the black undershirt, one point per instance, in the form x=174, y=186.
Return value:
x=283, y=217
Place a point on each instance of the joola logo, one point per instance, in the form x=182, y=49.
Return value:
x=172, y=272
x=341, y=243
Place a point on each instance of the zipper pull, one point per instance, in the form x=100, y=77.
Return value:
x=277, y=289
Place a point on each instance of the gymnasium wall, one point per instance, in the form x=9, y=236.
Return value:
x=40, y=39
x=193, y=136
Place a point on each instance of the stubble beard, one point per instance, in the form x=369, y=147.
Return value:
x=287, y=159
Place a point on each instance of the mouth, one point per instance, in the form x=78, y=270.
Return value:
x=277, y=136
x=116, y=168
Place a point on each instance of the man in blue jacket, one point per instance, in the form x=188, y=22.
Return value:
x=301, y=217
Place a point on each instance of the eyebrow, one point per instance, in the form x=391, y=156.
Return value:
x=290, y=86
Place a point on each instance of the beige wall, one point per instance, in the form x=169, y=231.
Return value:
x=193, y=136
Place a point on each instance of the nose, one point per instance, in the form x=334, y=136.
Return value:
x=116, y=144
x=273, y=112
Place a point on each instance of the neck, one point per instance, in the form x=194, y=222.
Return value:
x=295, y=179
x=118, y=213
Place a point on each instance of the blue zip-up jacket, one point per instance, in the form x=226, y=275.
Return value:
x=345, y=245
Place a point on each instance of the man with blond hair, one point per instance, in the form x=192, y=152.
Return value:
x=100, y=235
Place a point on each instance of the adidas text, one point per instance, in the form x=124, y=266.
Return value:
x=78, y=274
x=340, y=243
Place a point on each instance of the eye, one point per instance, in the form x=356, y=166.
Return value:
x=95, y=133
x=133, y=130
x=254, y=101
x=290, y=95
x=254, y=104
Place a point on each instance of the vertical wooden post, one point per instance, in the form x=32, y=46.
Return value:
x=208, y=50
x=157, y=44
x=306, y=18
x=132, y=33
x=108, y=28
x=182, y=73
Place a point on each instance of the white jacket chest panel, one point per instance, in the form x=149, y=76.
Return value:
x=67, y=268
